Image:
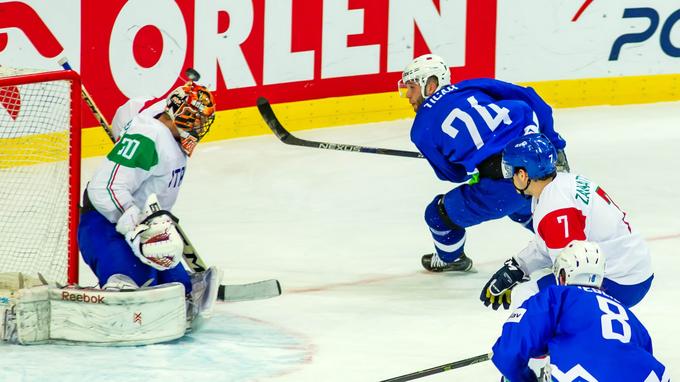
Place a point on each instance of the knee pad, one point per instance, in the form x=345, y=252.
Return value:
x=437, y=218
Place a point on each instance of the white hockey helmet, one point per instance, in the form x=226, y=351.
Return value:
x=421, y=69
x=580, y=263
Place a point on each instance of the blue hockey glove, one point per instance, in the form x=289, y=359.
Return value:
x=496, y=292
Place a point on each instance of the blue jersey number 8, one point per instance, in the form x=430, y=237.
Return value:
x=610, y=316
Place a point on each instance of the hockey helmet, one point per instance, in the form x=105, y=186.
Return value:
x=421, y=69
x=532, y=152
x=580, y=263
x=192, y=108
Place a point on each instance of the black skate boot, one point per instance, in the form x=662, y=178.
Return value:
x=433, y=263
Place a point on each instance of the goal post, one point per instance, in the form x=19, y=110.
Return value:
x=40, y=122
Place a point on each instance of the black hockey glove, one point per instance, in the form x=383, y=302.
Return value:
x=497, y=291
x=562, y=164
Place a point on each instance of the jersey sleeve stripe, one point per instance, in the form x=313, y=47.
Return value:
x=110, y=191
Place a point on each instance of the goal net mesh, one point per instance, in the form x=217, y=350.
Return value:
x=36, y=192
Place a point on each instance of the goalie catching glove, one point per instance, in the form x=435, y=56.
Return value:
x=156, y=241
x=497, y=291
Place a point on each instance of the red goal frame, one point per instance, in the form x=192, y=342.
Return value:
x=74, y=154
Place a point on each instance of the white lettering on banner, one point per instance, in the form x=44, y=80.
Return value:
x=339, y=60
x=59, y=18
x=132, y=79
x=278, y=18
x=444, y=32
x=212, y=47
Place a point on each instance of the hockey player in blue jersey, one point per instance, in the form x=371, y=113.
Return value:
x=588, y=335
x=461, y=130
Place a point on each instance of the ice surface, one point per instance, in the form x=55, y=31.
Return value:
x=343, y=232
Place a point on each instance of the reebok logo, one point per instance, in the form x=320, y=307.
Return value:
x=82, y=297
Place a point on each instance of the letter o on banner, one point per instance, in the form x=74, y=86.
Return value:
x=131, y=78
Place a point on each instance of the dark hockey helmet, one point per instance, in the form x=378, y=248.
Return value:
x=532, y=152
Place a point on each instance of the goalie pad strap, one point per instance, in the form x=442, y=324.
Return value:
x=161, y=213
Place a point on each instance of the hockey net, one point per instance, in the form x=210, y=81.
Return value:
x=39, y=173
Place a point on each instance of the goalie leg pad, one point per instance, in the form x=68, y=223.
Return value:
x=99, y=317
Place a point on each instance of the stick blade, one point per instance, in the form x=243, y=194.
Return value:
x=252, y=291
x=265, y=109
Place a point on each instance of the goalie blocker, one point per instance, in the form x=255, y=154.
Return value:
x=33, y=313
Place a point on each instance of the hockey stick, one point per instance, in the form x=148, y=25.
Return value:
x=90, y=103
x=226, y=292
x=441, y=368
x=286, y=137
x=234, y=292
x=191, y=73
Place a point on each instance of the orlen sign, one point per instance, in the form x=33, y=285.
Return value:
x=287, y=50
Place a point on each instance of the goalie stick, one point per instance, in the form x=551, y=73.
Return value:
x=90, y=103
x=226, y=292
x=441, y=368
x=191, y=74
x=286, y=137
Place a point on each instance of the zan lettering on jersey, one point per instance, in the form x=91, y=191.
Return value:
x=560, y=227
x=582, y=189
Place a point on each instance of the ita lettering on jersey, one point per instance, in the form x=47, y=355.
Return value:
x=177, y=177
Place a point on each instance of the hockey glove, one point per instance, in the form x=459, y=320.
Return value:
x=562, y=164
x=496, y=292
x=129, y=220
x=156, y=242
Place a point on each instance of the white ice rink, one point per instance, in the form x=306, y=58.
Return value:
x=344, y=234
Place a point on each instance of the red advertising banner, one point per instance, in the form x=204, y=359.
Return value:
x=286, y=50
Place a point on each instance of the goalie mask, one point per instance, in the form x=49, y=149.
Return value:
x=192, y=108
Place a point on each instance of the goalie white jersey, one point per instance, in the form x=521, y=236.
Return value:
x=572, y=207
x=146, y=159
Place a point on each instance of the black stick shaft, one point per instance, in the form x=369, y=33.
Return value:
x=441, y=368
x=286, y=137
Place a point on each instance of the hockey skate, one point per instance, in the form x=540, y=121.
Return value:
x=200, y=302
x=433, y=263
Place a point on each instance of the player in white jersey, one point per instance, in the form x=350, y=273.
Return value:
x=117, y=237
x=566, y=207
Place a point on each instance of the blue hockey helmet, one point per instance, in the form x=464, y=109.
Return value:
x=532, y=152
